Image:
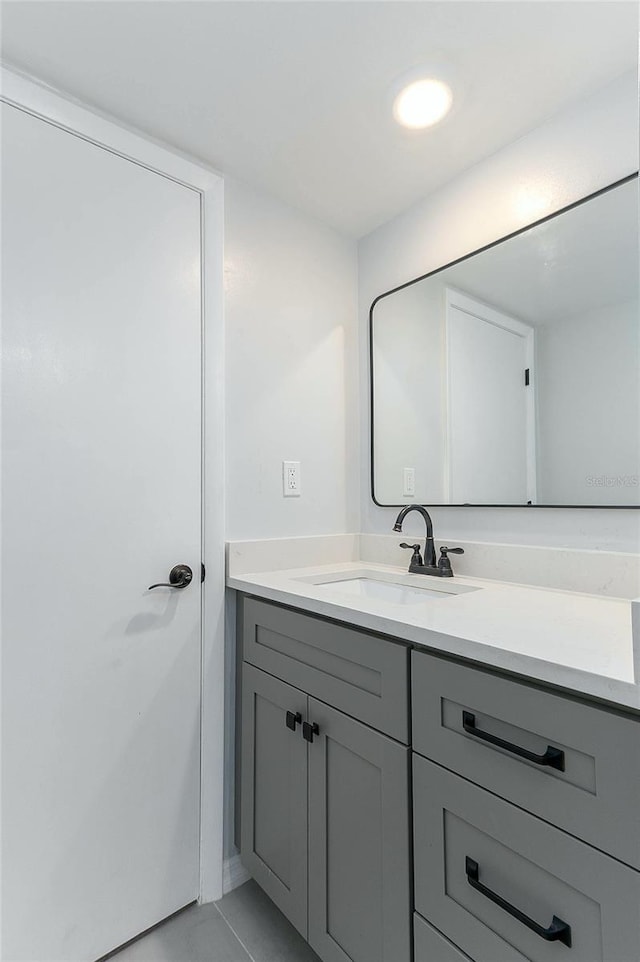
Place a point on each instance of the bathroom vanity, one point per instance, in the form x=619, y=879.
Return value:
x=400, y=800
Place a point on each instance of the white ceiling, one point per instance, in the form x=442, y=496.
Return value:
x=295, y=97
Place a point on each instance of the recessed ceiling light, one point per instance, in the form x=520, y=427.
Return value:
x=422, y=103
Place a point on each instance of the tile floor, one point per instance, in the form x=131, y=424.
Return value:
x=245, y=926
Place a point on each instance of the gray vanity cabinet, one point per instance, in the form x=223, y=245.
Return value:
x=325, y=826
x=526, y=804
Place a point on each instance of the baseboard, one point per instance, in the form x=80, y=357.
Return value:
x=234, y=874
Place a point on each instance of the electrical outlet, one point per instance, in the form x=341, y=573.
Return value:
x=409, y=482
x=291, y=487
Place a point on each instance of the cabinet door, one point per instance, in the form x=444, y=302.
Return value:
x=274, y=792
x=359, y=869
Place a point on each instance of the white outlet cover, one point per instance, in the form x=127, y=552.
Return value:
x=291, y=482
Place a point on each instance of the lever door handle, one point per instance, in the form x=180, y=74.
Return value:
x=180, y=576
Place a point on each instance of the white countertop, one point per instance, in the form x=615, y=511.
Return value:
x=580, y=642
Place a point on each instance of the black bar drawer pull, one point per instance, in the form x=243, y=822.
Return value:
x=293, y=719
x=553, y=757
x=558, y=931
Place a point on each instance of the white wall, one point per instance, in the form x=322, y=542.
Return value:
x=574, y=154
x=588, y=407
x=291, y=350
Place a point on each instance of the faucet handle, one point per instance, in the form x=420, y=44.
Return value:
x=444, y=565
x=416, y=557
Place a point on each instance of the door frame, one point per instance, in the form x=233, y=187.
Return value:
x=46, y=103
x=485, y=312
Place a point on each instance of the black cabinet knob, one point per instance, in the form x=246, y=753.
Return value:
x=293, y=719
x=309, y=730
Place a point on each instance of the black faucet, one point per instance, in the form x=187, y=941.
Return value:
x=439, y=569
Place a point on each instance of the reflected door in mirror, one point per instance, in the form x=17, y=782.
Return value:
x=490, y=409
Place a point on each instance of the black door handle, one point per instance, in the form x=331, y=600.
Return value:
x=293, y=719
x=553, y=757
x=180, y=576
x=558, y=931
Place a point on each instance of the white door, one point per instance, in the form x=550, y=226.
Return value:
x=101, y=497
x=490, y=410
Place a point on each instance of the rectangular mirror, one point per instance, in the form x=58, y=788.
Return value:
x=512, y=376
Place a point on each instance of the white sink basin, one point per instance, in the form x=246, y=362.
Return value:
x=382, y=590
x=389, y=587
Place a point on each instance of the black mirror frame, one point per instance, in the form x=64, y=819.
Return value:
x=438, y=270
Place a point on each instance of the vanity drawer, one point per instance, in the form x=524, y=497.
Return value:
x=463, y=833
x=597, y=795
x=361, y=674
x=430, y=946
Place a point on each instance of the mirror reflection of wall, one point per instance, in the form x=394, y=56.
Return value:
x=513, y=377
